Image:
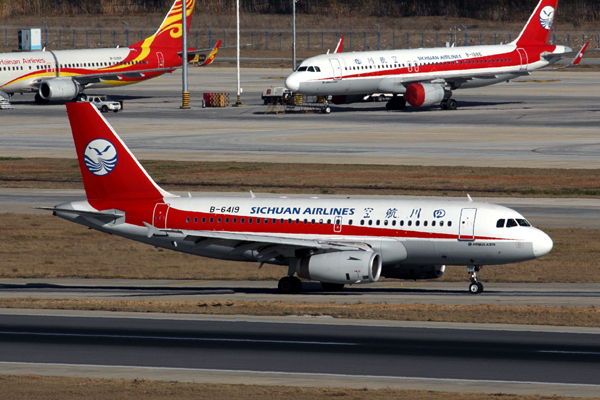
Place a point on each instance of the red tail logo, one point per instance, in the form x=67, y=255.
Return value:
x=538, y=29
x=170, y=31
x=109, y=170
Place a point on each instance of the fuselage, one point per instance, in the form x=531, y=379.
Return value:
x=391, y=71
x=22, y=72
x=415, y=238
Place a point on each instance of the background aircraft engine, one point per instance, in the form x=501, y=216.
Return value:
x=341, y=267
x=59, y=89
x=424, y=94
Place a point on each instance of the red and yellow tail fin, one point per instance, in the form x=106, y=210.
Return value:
x=538, y=29
x=108, y=168
x=169, y=32
x=211, y=56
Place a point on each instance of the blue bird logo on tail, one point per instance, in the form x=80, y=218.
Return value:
x=100, y=157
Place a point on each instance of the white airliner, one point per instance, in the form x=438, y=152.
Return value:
x=334, y=241
x=423, y=77
x=65, y=74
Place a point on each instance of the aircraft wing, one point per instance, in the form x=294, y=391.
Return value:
x=106, y=215
x=116, y=76
x=459, y=77
x=552, y=58
x=267, y=246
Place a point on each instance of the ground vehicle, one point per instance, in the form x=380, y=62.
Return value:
x=104, y=103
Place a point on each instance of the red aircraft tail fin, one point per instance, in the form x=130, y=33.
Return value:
x=109, y=170
x=169, y=32
x=538, y=29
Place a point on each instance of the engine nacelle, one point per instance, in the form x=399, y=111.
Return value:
x=343, y=267
x=59, y=89
x=424, y=94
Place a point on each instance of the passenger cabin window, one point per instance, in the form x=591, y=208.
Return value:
x=500, y=223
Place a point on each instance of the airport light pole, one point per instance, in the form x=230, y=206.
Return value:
x=294, y=32
x=378, y=37
x=185, y=96
x=127, y=31
x=238, y=103
x=209, y=35
x=44, y=22
x=466, y=36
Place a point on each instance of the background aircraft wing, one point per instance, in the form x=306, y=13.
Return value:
x=116, y=76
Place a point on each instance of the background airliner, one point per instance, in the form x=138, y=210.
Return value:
x=334, y=241
x=423, y=77
x=65, y=74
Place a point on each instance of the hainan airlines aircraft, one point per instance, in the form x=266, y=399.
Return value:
x=423, y=77
x=334, y=241
x=65, y=74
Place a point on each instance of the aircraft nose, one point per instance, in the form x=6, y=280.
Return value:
x=292, y=82
x=542, y=244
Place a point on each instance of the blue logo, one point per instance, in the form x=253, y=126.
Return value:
x=100, y=157
x=439, y=213
x=547, y=17
x=356, y=60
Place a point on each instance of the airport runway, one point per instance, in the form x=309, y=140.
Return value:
x=384, y=292
x=293, y=352
x=549, y=119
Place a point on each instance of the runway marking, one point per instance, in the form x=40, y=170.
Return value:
x=595, y=353
x=402, y=285
x=304, y=374
x=185, y=283
x=89, y=335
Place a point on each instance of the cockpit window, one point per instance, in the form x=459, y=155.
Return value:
x=523, y=222
x=311, y=69
x=317, y=69
x=510, y=223
x=300, y=69
x=500, y=223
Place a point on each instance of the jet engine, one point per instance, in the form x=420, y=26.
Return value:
x=342, y=267
x=59, y=89
x=424, y=94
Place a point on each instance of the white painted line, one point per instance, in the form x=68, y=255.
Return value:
x=595, y=353
x=177, y=338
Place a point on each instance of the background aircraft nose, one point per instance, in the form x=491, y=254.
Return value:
x=292, y=82
x=542, y=244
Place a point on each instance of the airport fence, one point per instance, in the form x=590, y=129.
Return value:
x=281, y=40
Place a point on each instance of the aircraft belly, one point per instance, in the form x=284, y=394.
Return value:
x=483, y=252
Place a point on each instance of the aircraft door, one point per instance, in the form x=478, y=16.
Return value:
x=160, y=216
x=337, y=68
x=524, y=59
x=416, y=66
x=337, y=224
x=161, y=59
x=466, y=228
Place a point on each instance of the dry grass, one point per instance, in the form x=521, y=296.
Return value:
x=323, y=179
x=488, y=314
x=65, y=388
x=42, y=246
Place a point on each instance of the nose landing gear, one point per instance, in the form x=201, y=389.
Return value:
x=475, y=287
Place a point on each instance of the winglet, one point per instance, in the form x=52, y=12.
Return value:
x=211, y=56
x=579, y=55
x=340, y=45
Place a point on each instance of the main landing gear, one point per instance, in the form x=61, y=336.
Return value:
x=289, y=285
x=396, y=103
x=448, y=104
x=475, y=287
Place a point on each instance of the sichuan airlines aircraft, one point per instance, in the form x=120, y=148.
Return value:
x=423, y=77
x=65, y=74
x=334, y=241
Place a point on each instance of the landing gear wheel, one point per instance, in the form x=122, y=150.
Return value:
x=444, y=104
x=81, y=97
x=475, y=287
x=104, y=109
x=40, y=100
x=396, y=103
x=289, y=285
x=326, y=110
x=332, y=287
x=451, y=104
